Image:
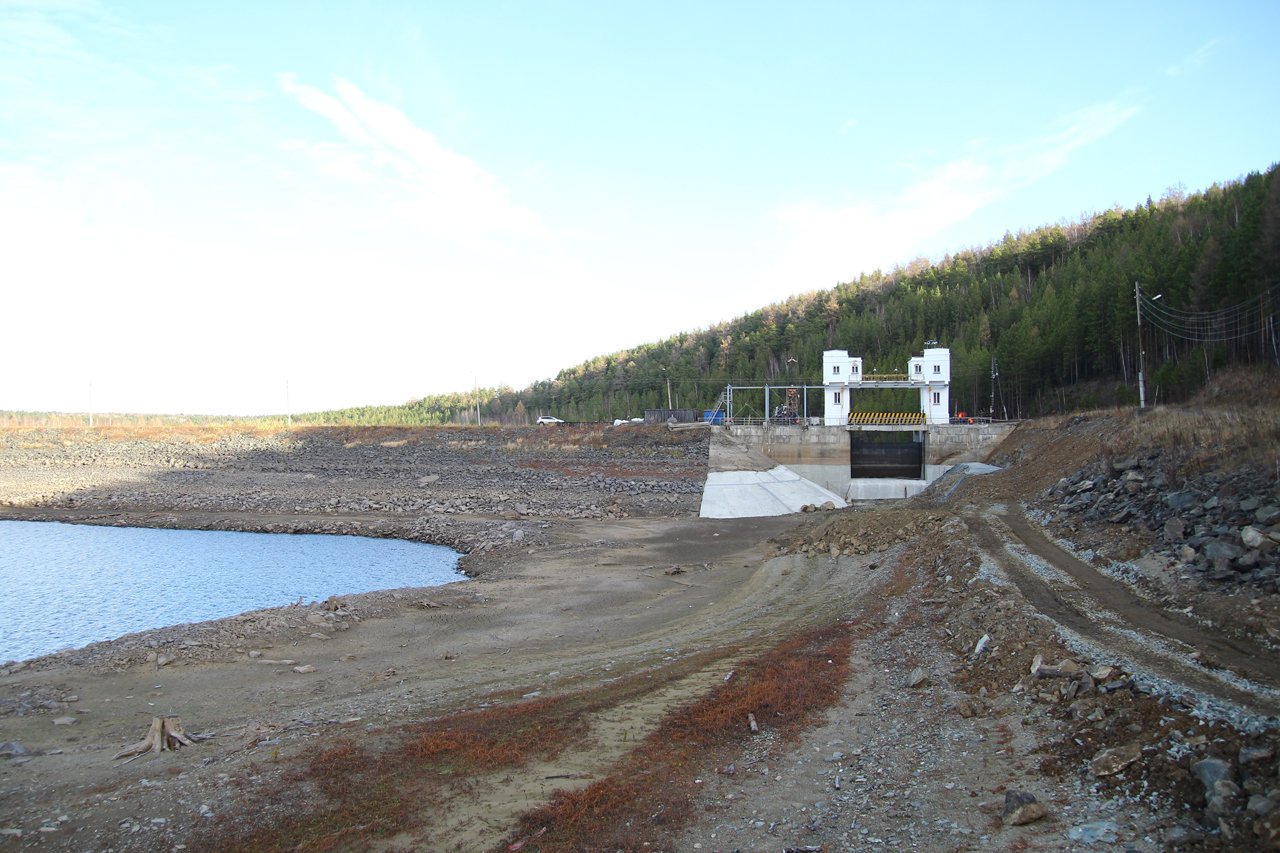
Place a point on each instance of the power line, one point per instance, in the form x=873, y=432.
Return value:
x=1253, y=317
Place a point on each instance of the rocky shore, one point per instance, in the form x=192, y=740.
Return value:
x=473, y=490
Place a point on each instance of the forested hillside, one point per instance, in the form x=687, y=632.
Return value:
x=1052, y=309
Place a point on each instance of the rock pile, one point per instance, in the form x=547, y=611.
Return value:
x=1223, y=528
x=856, y=534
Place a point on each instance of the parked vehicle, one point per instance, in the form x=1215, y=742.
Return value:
x=543, y=420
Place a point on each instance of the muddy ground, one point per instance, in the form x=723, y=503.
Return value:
x=1023, y=675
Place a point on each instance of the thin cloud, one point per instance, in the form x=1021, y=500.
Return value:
x=1195, y=59
x=442, y=191
x=1041, y=157
x=829, y=243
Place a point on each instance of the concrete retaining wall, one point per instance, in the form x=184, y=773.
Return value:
x=828, y=445
x=954, y=443
x=821, y=454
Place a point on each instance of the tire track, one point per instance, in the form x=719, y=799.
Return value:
x=1105, y=612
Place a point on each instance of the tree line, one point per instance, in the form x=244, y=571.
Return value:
x=1039, y=321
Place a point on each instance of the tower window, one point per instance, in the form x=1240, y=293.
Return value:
x=937, y=398
x=937, y=368
x=835, y=398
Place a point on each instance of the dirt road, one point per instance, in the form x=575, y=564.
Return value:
x=608, y=599
x=1104, y=613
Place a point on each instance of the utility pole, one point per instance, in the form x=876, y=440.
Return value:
x=993, y=387
x=668, y=376
x=1142, y=382
x=288, y=411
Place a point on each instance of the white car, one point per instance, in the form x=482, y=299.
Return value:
x=547, y=419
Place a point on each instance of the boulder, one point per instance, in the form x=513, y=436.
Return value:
x=1217, y=549
x=1109, y=762
x=1253, y=754
x=1021, y=807
x=1062, y=669
x=1210, y=771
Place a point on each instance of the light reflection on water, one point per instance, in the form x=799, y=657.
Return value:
x=65, y=585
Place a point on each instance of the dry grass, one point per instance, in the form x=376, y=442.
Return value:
x=392, y=783
x=369, y=792
x=507, y=736
x=75, y=429
x=372, y=792
x=900, y=583
x=649, y=797
x=137, y=428
x=1234, y=419
x=564, y=437
x=1204, y=437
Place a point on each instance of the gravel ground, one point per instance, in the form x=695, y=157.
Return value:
x=977, y=717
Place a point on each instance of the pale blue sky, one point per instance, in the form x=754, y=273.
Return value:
x=377, y=201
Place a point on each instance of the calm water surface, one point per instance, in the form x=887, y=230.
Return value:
x=65, y=585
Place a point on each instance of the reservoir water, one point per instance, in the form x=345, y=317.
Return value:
x=66, y=585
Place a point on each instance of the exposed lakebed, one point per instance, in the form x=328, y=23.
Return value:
x=66, y=585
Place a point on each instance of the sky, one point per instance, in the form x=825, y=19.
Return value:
x=253, y=207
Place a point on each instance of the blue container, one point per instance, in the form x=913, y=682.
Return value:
x=713, y=416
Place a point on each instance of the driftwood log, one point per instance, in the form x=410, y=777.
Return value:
x=165, y=734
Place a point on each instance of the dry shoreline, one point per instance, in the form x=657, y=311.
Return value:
x=590, y=569
x=116, y=647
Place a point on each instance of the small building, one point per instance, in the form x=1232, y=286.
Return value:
x=930, y=373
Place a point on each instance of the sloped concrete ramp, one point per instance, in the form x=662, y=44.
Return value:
x=743, y=483
x=752, y=494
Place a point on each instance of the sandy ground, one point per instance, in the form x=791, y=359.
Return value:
x=595, y=606
x=935, y=728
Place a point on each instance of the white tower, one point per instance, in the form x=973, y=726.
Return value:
x=932, y=372
x=841, y=373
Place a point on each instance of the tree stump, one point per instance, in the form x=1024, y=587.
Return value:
x=165, y=734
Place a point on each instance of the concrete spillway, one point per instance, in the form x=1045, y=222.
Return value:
x=752, y=494
x=742, y=483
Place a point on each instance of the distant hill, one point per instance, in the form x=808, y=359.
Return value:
x=1052, y=309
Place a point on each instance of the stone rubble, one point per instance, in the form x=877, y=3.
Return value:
x=1220, y=528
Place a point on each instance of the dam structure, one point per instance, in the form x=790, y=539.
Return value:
x=851, y=449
